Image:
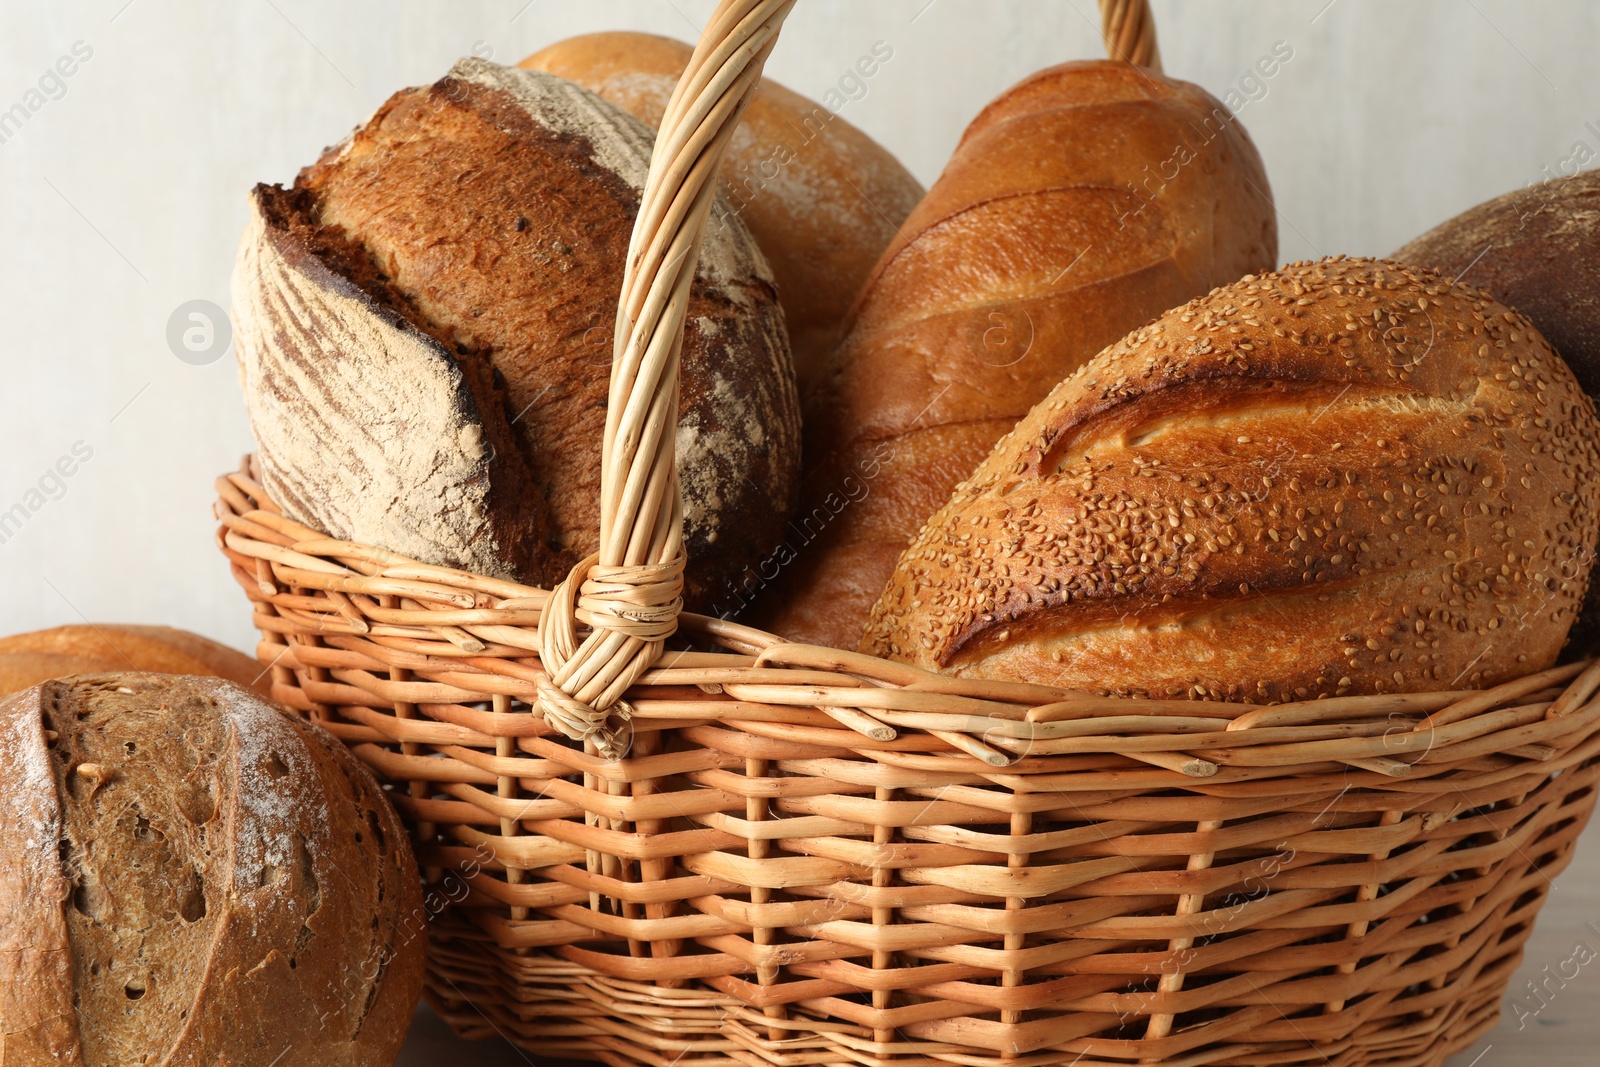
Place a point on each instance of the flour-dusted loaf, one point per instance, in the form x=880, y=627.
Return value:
x=191, y=876
x=821, y=197
x=425, y=329
x=1537, y=250
x=1082, y=202
x=1345, y=477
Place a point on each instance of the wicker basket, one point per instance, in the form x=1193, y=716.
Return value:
x=771, y=853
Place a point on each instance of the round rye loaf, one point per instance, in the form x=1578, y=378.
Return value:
x=191, y=875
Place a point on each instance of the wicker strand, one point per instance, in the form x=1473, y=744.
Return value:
x=629, y=594
x=1130, y=32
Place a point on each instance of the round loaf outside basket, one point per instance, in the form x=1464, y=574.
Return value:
x=747, y=850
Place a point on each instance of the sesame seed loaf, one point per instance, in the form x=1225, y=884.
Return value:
x=425, y=336
x=1537, y=250
x=190, y=875
x=821, y=198
x=1344, y=477
x=1082, y=202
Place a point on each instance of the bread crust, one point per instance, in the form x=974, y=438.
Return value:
x=1347, y=476
x=301, y=911
x=366, y=425
x=1052, y=232
x=473, y=234
x=821, y=197
x=19, y=670
x=95, y=648
x=1537, y=250
x=37, y=1022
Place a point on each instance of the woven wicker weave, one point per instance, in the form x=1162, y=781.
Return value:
x=771, y=853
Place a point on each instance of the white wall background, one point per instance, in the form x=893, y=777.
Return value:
x=123, y=198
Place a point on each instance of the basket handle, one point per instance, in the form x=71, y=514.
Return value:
x=629, y=593
x=1130, y=32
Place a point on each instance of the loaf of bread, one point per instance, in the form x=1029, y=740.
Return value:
x=1346, y=477
x=30, y=658
x=425, y=334
x=821, y=198
x=19, y=670
x=1536, y=250
x=1081, y=203
x=191, y=875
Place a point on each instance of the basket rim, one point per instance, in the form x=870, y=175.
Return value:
x=473, y=637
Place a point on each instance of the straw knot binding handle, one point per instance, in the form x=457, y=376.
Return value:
x=628, y=594
x=620, y=606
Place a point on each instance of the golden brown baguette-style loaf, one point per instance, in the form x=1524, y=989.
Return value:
x=821, y=198
x=191, y=875
x=425, y=334
x=1081, y=203
x=1537, y=250
x=114, y=646
x=1345, y=477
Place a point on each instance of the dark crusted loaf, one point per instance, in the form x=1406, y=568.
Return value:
x=425, y=335
x=190, y=875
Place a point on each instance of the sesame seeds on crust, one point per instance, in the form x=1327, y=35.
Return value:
x=1346, y=476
